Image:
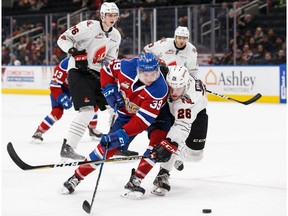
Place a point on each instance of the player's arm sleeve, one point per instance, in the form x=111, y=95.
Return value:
x=113, y=52
x=108, y=75
x=74, y=35
x=144, y=117
x=57, y=81
x=192, y=64
x=55, y=91
x=152, y=47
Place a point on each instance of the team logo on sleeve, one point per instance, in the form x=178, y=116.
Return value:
x=186, y=99
x=89, y=22
x=100, y=35
x=170, y=51
x=125, y=85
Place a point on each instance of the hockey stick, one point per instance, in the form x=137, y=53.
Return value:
x=86, y=205
x=251, y=100
x=24, y=166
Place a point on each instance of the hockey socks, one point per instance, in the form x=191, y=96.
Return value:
x=50, y=119
x=79, y=125
x=146, y=164
x=84, y=170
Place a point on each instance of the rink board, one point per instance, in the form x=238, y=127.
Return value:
x=241, y=82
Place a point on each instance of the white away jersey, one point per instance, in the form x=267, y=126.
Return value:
x=100, y=46
x=185, y=110
x=166, y=50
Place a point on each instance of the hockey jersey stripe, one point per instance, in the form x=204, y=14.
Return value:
x=147, y=119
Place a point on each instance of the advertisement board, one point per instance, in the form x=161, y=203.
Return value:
x=241, y=82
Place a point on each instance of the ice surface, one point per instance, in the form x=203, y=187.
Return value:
x=243, y=172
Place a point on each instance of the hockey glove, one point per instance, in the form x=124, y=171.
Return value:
x=113, y=96
x=65, y=101
x=163, y=67
x=114, y=140
x=164, y=150
x=80, y=58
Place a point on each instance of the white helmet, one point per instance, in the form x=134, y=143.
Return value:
x=178, y=76
x=108, y=7
x=181, y=31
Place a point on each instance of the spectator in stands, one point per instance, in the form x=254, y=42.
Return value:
x=145, y=27
x=252, y=44
x=13, y=59
x=226, y=57
x=267, y=59
x=267, y=45
x=27, y=60
x=271, y=35
x=258, y=36
x=239, y=59
x=278, y=43
x=280, y=57
x=5, y=55
x=246, y=53
x=204, y=14
x=247, y=23
x=183, y=21
x=222, y=15
x=258, y=55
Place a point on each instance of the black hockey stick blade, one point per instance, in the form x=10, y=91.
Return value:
x=24, y=166
x=16, y=158
x=86, y=206
x=251, y=100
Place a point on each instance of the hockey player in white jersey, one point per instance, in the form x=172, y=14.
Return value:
x=185, y=139
x=91, y=44
x=176, y=51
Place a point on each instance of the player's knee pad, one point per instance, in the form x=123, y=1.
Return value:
x=85, y=115
x=57, y=112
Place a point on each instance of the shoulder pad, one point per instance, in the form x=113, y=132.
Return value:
x=159, y=88
x=128, y=67
x=64, y=63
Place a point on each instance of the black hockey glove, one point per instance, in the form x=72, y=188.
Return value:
x=80, y=58
x=163, y=67
x=164, y=150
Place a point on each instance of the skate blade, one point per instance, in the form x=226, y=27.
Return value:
x=36, y=141
x=64, y=191
x=132, y=194
x=159, y=191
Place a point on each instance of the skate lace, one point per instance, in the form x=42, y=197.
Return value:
x=163, y=178
x=135, y=181
x=74, y=181
x=37, y=134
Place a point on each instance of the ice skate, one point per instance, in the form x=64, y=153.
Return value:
x=127, y=153
x=179, y=165
x=70, y=185
x=37, y=137
x=132, y=188
x=93, y=132
x=161, y=183
x=68, y=152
